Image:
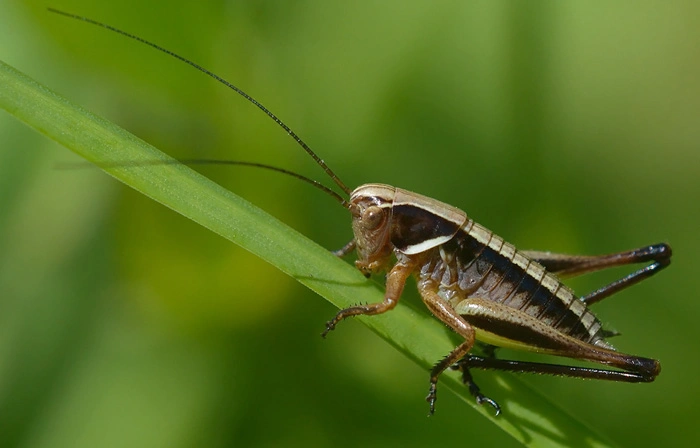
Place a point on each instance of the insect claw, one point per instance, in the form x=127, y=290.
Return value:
x=474, y=390
x=481, y=399
x=330, y=326
x=432, y=398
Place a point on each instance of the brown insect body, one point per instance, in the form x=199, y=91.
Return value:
x=482, y=287
x=459, y=260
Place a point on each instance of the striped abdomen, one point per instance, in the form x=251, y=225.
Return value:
x=477, y=263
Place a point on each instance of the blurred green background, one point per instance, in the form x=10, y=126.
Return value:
x=563, y=126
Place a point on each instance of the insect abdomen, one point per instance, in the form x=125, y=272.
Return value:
x=477, y=263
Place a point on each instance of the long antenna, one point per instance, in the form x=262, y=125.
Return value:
x=291, y=133
x=139, y=163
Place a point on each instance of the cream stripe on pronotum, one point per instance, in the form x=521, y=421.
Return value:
x=479, y=285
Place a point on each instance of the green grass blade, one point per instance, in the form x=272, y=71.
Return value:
x=527, y=416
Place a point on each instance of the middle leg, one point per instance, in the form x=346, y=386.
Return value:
x=447, y=314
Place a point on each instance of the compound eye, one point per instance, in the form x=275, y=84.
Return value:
x=372, y=217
